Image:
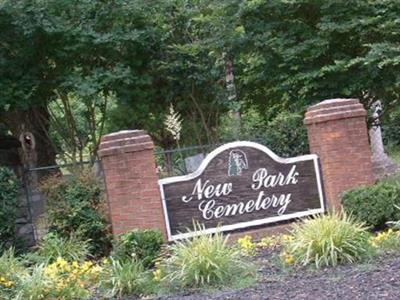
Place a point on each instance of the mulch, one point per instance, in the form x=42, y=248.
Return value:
x=379, y=279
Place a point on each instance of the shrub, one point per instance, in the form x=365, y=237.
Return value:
x=143, y=245
x=374, y=205
x=124, y=278
x=286, y=135
x=204, y=260
x=53, y=246
x=75, y=209
x=9, y=190
x=327, y=240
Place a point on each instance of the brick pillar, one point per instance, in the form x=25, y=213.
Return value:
x=337, y=133
x=132, y=181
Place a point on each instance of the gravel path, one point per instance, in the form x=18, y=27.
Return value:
x=380, y=280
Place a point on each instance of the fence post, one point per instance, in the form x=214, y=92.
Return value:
x=337, y=133
x=132, y=181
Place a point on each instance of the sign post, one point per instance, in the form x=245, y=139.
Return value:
x=241, y=185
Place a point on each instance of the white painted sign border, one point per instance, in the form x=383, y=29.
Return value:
x=242, y=225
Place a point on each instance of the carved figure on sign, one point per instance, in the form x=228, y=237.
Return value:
x=237, y=163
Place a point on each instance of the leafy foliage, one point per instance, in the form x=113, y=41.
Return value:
x=286, y=135
x=284, y=132
x=374, y=205
x=144, y=57
x=75, y=209
x=328, y=241
x=141, y=245
x=300, y=52
x=9, y=202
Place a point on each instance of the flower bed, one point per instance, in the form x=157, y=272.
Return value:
x=334, y=242
x=70, y=264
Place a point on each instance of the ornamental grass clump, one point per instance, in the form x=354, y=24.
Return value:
x=11, y=268
x=125, y=277
x=54, y=246
x=34, y=285
x=204, y=260
x=327, y=240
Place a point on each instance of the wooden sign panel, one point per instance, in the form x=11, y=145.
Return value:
x=239, y=185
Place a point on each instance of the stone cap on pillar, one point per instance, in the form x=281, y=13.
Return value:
x=124, y=141
x=334, y=109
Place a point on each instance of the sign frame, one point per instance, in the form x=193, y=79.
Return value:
x=252, y=223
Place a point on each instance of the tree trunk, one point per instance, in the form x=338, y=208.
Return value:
x=31, y=127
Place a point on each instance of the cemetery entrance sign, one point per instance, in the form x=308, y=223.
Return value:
x=239, y=185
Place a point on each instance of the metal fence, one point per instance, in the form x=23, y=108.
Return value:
x=181, y=161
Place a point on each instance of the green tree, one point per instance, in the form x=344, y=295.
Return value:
x=298, y=52
x=50, y=49
x=184, y=71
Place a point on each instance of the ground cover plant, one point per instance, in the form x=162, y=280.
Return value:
x=386, y=241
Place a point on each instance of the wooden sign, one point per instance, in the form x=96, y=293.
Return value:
x=239, y=185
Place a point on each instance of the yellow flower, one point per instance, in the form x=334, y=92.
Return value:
x=268, y=242
x=60, y=285
x=157, y=275
x=61, y=262
x=288, y=258
x=287, y=238
x=6, y=283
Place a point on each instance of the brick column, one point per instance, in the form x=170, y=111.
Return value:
x=337, y=133
x=132, y=181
